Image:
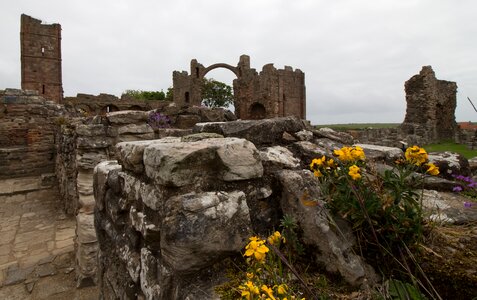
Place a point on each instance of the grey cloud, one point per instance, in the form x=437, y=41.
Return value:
x=356, y=54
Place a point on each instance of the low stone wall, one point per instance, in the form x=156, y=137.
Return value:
x=172, y=209
x=89, y=105
x=378, y=136
x=27, y=140
x=82, y=143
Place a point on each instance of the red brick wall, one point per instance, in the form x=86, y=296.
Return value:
x=27, y=142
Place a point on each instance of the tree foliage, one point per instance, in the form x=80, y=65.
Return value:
x=146, y=95
x=216, y=93
x=170, y=94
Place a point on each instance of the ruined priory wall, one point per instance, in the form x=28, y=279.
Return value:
x=27, y=140
x=82, y=143
x=84, y=105
x=157, y=231
x=169, y=211
x=430, y=111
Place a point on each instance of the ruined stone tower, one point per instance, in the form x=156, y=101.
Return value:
x=41, y=58
x=431, y=103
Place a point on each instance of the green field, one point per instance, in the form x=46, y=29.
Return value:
x=453, y=147
x=358, y=126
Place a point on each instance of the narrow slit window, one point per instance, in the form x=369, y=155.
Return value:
x=43, y=89
x=42, y=51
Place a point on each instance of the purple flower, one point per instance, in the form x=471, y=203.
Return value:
x=457, y=189
x=473, y=184
x=157, y=120
x=467, y=204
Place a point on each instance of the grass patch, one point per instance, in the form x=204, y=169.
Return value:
x=358, y=126
x=453, y=147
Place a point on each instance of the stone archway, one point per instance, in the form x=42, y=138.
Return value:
x=187, y=89
x=234, y=70
x=268, y=88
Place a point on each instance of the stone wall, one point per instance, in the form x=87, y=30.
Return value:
x=268, y=94
x=84, y=142
x=172, y=209
x=389, y=137
x=84, y=105
x=41, y=58
x=430, y=112
x=27, y=140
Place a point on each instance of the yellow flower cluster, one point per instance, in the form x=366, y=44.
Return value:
x=256, y=248
x=416, y=155
x=249, y=289
x=320, y=164
x=263, y=279
x=275, y=238
x=432, y=169
x=354, y=172
x=346, y=154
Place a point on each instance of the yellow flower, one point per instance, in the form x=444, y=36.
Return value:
x=250, y=275
x=357, y=153
x=342, y=154
x=317, y=173
x=416, y=155
x=432, y=169
x=248, y=290
x=346, y=154
x=330, y=163
x=317, y=162
x=282, y=289
x=275, y=238
x=268, y=291
x=256, y=248
x=354, y=172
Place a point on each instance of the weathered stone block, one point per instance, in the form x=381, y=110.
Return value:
x=280, y=157
x=148, y=275
x=85, y=228
x=336, y=251
x=259, y=132
x=88, y=160
x=200, y=228
x=131, y=153
x=127, y=117
x=180, y=164
x=90, y=130
x=100, y=179
x=135, y=129
x=186, y=121
x=376, y=152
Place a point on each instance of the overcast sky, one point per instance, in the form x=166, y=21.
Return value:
x=356, y=54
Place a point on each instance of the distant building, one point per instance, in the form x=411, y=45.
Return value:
x=269, y=94
x=41, y=58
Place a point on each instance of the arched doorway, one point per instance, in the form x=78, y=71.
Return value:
x=257, y=111
x=217, y=88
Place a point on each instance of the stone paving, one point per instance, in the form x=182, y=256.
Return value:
x=36, y=238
